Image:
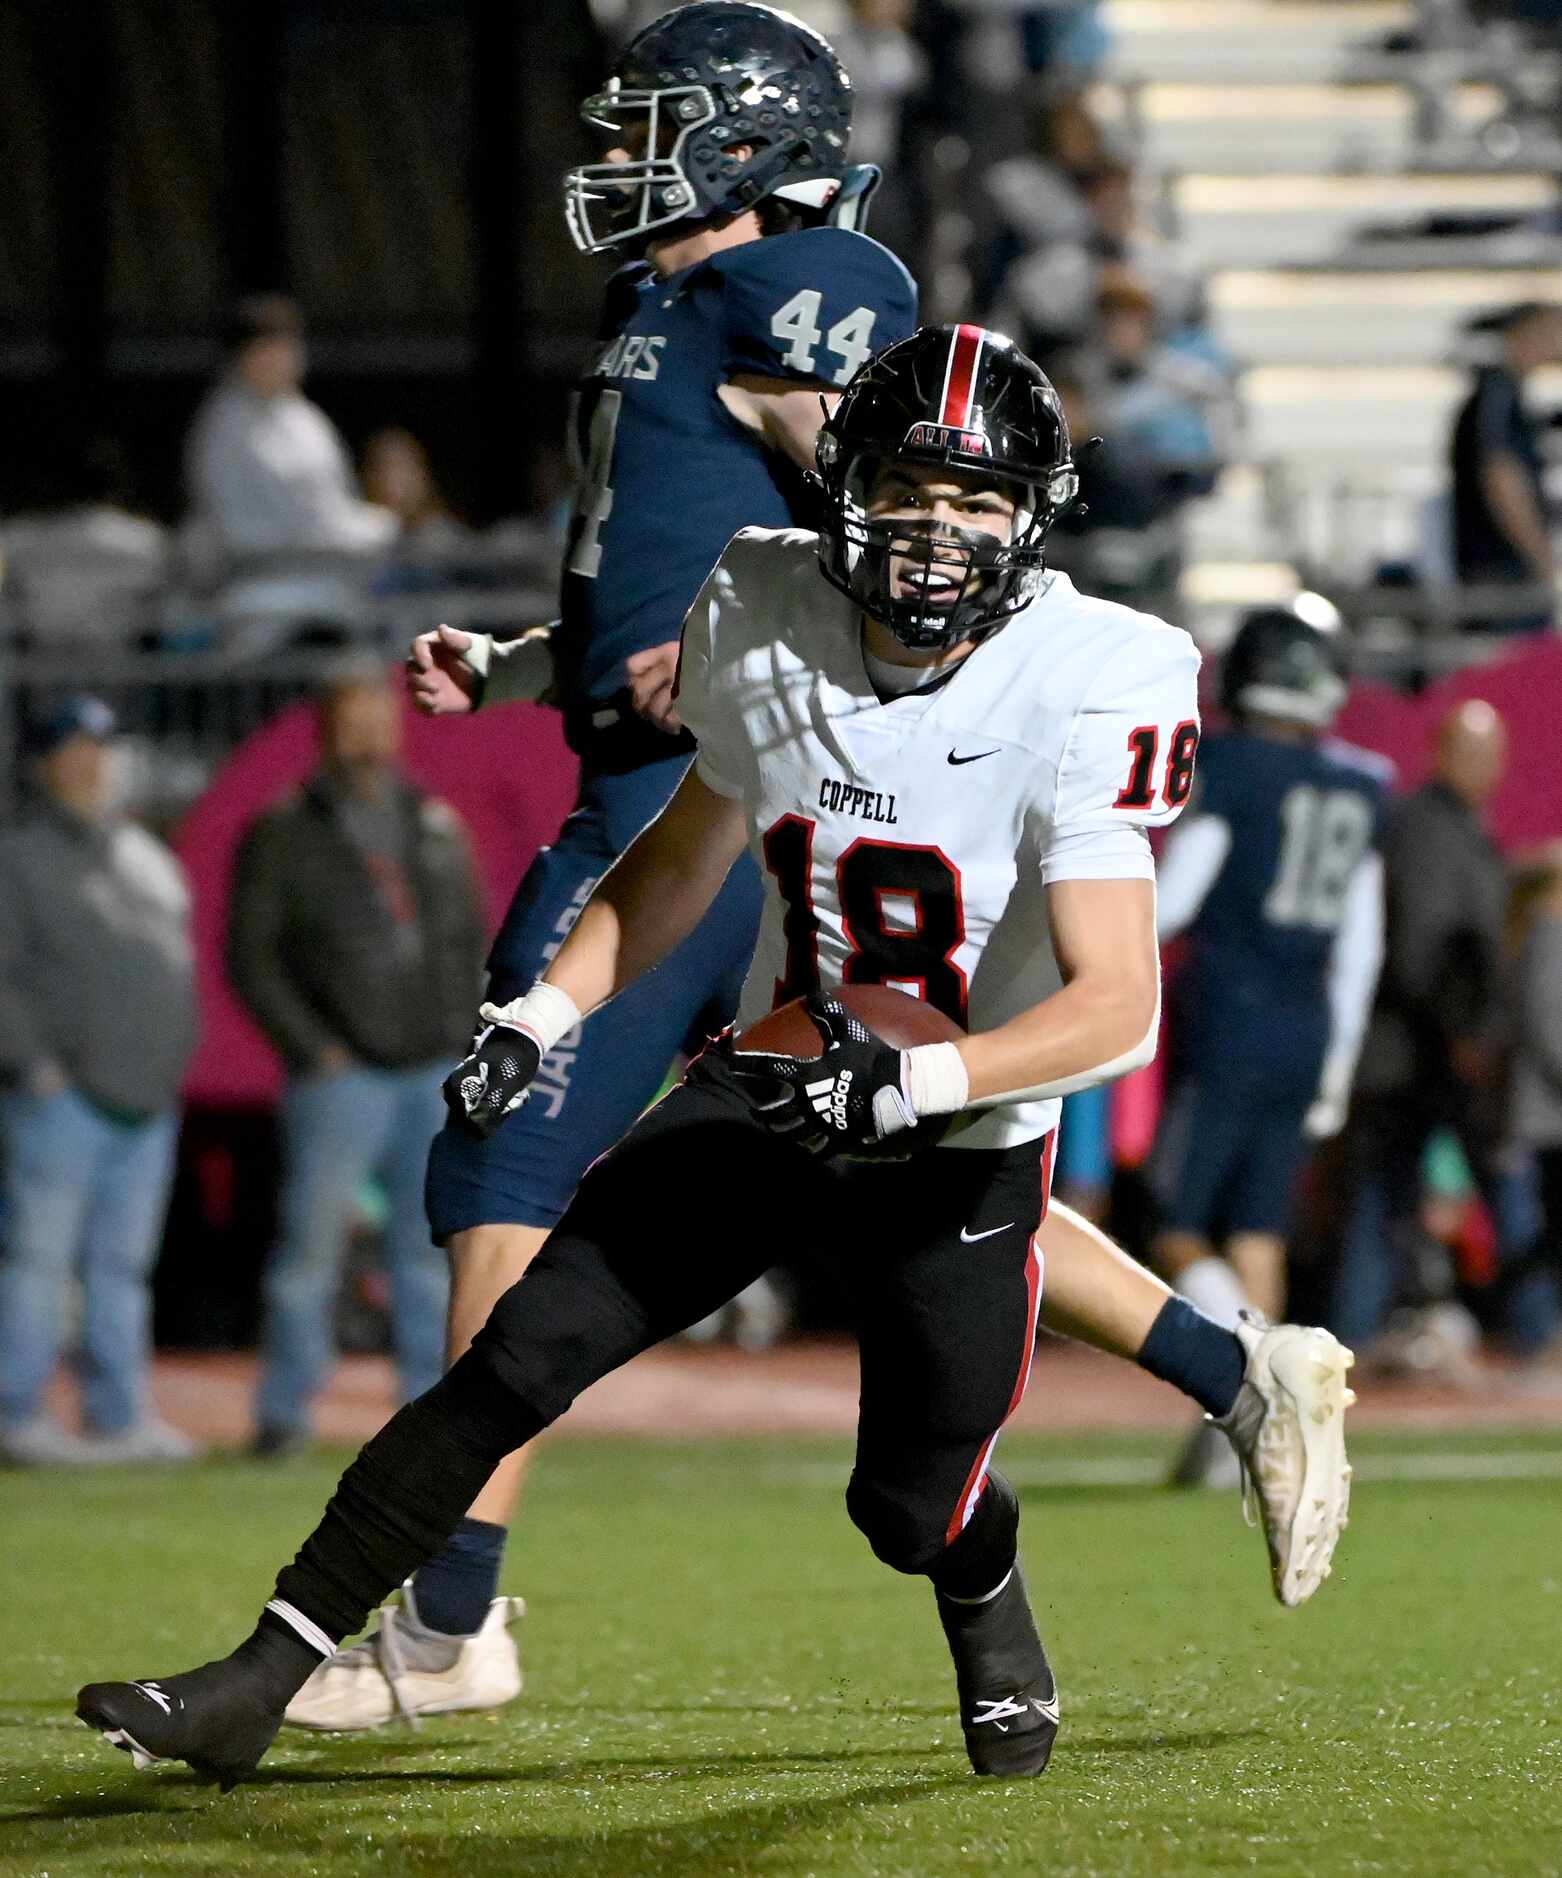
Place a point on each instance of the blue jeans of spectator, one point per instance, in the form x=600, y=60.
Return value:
x=85, y=1196
x=337, y=1130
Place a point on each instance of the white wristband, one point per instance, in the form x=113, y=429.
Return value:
x=545, y=1014
x=936, y=1079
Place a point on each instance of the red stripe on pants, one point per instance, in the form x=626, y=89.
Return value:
x=976, y=1480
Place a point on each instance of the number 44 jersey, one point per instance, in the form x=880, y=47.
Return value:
x=911, y=842
x=667, y=474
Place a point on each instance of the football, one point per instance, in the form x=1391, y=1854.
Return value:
x=895, y=1016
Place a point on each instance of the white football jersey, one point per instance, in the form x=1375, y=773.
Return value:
x=910, y=843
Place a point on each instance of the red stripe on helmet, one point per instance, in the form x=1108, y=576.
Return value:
x=965, y=349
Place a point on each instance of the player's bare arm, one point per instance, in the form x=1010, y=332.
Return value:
x=786, y=415
x=652, y=897
x=1102, y=1023
x=646, y=904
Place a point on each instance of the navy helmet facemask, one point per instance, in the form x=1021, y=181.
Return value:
x=696, y=85
x=968, y=401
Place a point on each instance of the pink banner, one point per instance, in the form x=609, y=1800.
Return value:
x=1525, y=686
x=507, y=773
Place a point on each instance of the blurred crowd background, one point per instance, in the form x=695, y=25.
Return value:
x=288, y=319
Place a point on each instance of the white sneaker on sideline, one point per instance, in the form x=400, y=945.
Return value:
x=1288, y=1428
x=43, y=1442
x=384, y=1677
x=148, y=1440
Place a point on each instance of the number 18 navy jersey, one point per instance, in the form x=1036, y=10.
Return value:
x=667, y=475
x=1302, y=817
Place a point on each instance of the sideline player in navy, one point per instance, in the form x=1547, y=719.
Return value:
x=1275, y=876
x=726, y=127
x=928, y=750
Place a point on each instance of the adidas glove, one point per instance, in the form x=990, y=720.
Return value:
x=511, y=1041
x=853, y=1100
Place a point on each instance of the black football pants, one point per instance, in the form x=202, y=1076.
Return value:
x=935, y=1255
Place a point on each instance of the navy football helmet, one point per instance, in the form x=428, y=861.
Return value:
x=1285, y=662
x=951, y=396
x=696, y=84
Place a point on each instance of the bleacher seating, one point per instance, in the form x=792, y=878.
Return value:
x=1300, y=156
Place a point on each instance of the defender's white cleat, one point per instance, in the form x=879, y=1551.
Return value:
x=395, y=1673
x=1288, y=1428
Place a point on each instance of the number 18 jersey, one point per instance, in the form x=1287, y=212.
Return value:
x=911, y=842
x=1301, y=816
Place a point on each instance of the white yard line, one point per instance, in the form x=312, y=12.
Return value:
x=1025, y=1472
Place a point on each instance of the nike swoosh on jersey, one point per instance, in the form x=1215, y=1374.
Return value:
x=967, y=1237
x=952, y=758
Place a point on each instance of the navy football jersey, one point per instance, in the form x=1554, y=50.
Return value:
x=667, y=475
x=1302, y=816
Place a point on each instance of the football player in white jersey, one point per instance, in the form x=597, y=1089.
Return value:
x=938, y=757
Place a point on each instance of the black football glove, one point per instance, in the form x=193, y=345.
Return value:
x=495, y=1079
x=851, y=1101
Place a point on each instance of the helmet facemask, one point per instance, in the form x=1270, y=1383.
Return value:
x=608, y=204
x=934, y=583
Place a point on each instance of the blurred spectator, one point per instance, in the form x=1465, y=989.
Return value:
x=397, y=476
x=1175, y=412
x=887, y=66
x=1123, y=542
x=268, y=471
x=1501, y=528
x=1065, y=41
x=84, y=570
x=1069, y=235
x=1432, y=1054
x=1536, y=1121
x=97, y=1023
x=356, y=940
x=1039, y=275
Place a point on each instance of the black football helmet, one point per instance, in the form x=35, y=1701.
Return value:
x=693, y=85
x=1285, y=662
x=968, y=399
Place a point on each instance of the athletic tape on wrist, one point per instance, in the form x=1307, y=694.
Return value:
x=545, y=1014
x=936, y=1079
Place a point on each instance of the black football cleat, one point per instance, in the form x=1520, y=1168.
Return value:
x=213, y=1717
x=1008, y=1698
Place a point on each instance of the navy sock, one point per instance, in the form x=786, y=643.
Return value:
x=1192, y=1353
x=454, y=1590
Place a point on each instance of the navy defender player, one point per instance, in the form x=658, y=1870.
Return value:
x=749, y=296
x=1275, y=876
x=726, y=126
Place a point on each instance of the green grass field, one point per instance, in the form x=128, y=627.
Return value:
x=722, y=1680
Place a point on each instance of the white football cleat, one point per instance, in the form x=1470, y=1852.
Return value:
x=1288, y=1428
x=390, y=1675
